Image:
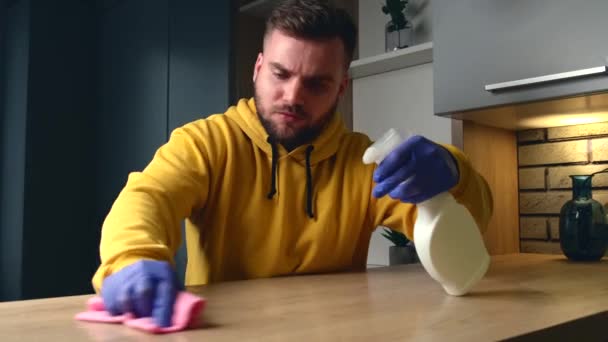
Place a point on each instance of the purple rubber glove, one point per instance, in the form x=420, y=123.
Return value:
x=146, y=288
x=415, y=171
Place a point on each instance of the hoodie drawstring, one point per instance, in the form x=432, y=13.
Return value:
x=309, y=182
x=273, y=182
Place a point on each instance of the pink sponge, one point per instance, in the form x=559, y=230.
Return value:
x=185, y=313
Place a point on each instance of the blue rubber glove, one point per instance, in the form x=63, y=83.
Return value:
x=146, y=288
x=415, y=171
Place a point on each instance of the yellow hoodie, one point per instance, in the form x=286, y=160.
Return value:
x=217, y=173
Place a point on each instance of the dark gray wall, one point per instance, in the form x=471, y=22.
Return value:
x=93, y=88
x=16, y=60
x=200, y=72
x=59, y=238
x=200, y=59
x=133, y=74
x=3, y=26
x=163, y=64
x=46, y=232
x=2, y=51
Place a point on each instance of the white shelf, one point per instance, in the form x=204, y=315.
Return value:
x=259, y=8
x=395, y=60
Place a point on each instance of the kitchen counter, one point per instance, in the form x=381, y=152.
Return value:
x=523, y=296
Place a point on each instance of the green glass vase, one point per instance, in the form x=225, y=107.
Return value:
x=583, y=231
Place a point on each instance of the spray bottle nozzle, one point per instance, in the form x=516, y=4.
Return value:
x=382, y=147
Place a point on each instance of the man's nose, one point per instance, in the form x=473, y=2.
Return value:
x=294, y=92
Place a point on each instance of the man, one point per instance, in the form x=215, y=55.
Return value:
x=274, y=186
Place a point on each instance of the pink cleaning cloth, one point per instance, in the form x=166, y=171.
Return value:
x=185, y=313
x=96, y=313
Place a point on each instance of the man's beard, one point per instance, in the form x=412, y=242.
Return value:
x=297, y=138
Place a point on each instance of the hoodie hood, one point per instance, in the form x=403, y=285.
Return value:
x=325, y=145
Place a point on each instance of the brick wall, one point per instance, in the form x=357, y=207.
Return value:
x=546, y=158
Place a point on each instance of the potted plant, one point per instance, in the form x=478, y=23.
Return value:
x=403, y=251
x=398, y=31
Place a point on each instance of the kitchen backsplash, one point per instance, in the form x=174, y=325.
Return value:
x=546, y=158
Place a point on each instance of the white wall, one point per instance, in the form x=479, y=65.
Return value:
x=402, y=99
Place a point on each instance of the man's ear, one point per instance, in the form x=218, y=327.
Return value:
x=343, y=85
x=257, y=66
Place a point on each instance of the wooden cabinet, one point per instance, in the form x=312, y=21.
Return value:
x=493, y=153
x=480, y=46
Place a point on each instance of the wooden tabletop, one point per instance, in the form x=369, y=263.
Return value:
x=520, y=294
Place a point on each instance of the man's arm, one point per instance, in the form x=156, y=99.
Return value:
x=144, y=221
x=469, y=188
x=142, y=232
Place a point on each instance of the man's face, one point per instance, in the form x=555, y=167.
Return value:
x=298, y=83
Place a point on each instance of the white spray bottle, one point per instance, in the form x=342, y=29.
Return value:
x=447, y=239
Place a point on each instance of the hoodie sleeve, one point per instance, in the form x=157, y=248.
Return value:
x=145, y=220
x=472, y=191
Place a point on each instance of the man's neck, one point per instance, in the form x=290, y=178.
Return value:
x=290, y=147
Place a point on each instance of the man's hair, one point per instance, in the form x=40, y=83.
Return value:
x=315, y=20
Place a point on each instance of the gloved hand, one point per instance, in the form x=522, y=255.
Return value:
x=145, y=288
x=415, y=171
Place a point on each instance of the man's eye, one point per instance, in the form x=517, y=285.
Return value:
x=281, y=75
x=317, y=86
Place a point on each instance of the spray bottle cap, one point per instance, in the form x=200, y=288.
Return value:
x=382, y=147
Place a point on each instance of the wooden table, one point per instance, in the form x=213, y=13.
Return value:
x=520, y=294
